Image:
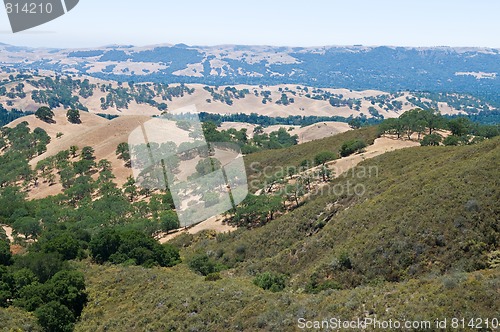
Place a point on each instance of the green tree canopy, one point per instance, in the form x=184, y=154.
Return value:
x=431, y=140
x=323, y=157
x=28, y=226
x=73, y=116
x=45, y=114
x=208, y=165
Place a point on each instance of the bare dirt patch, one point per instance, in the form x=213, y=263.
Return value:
x=214, y=224
x=8, y=231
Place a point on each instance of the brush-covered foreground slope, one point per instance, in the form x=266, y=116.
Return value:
x=427, y=211
x=137, y=299
x=417, y=245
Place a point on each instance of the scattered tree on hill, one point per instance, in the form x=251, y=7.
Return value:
x=28, y=226
x=393, y=126
x=169, y=221
x=351, y=147
x=451, y=140
x=355, y=123
x=415, y=120
x=184, y=125
x=295, y=191
x=211, y=199
x=257, y=209
x=51, y=179
x=104, y=165
x=324, y=157
x=432, y=119
x=73, y=149
x=87, y=153
x=409, y=121
x=459, y=126
x=130, y=188
x=431, y=140
x=45, y=114
x=207, y=166
x=73, y=116
x=325, y=173
x=123, y=152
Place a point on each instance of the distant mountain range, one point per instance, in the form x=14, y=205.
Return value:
x=441, y=69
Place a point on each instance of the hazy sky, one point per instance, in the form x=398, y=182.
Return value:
x=269, y=22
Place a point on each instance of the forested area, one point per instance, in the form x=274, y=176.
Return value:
x=91, y=218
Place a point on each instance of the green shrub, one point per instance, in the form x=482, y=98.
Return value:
x=323, y=157
x=451, y=141
x=124, y=246
x=351, y=147
x=431, y=140
x=169, y=221
x=213, y=277
x=274, y=282
x=63, y=243
x=204, y=265
x=55, y=317
x=345, y=261
x=5, y=254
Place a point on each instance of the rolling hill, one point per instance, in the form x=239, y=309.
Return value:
x=349, y=224
x=438, y=69
x=105, y=135
x=28, y=90
x=419, y=241
x=418, y=245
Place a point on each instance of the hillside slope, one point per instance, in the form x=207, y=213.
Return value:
x=130, y=299
x=417, y=239
x=105, y=135
x=424, y=211
x=417, y=243
x=61, y=124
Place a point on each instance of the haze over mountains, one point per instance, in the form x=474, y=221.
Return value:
x=436, y=69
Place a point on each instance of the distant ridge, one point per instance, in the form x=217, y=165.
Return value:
x=387, y=68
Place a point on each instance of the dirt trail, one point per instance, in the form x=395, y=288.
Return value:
x=380, y=146
x=214, y=223
x=8, y=230
x=342, y=165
